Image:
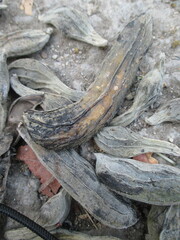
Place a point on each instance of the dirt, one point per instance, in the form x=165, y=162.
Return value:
x=76, y=63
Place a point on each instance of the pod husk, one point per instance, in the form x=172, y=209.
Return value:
x=78, y=178
x=169, y=112
x=148, y=91
x=78, y=122
x=60, y=234
x=156, y=184
x=33, y=76
x=171, y=224
x=122, y=142
x=74, y=24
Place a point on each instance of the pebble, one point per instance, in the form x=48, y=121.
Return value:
x=130, y=96
x=54, y=57
x=44, y=55
x=170, y=139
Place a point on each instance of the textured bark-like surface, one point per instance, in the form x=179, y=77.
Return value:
x=78, y=122
x=154, y=184
x=122, y=142
x=78, y=178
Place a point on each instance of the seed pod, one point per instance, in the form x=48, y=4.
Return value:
x=147, y=93
x=78, y=122
x=171, y=225
x=122, y=142
x=55, y=210
x=24, y=42
x=32, y=74
x=60, y=233
x=154, y=184
x=155, y=220
x=169, y=112
x=78, y=178
x=74, y=24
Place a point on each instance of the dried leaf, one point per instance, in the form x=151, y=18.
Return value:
x=122, y=142
x=27, y=5
x=156, y=184
x=169, y=112
x=26, y=154
x=55, y=210
x=79, y=179
x=147, y=93
x=74, y=24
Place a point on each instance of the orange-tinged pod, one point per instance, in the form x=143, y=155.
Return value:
x=76, y=123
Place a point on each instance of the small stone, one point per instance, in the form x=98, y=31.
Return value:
x=170, y=139
x=130, y=96
x=76, y=50
x=44, y=55
x=54, y=57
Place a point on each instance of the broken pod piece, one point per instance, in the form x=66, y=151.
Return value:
x=122, y=142
x=153, y=184
x=169, y=112
x=147, y=93
x=74, y=24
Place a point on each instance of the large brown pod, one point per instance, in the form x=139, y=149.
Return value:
x=76, y=123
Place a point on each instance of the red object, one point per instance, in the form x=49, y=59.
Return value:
x=50, y=185
x=146, y=158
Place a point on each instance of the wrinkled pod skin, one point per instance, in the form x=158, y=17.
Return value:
x=15, y=44
x=76, y=123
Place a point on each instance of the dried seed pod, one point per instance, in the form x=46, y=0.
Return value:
x=171, y=224
x=78, y=122
x=122, y=142
x=74, y=24
x=55, y=210
x=35, y=75
x=154, y=184
x=24, y=42
x=78, y=178
x=169, y=112
x=155, y=221
x=147, y=93
x=61, y=234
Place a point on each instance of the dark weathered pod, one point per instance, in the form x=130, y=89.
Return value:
x=78, y=178
x=76, y=123
x=148, y=91
x=74, y=24
x=169, y=112
x=122, y=142
x=156, y=184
